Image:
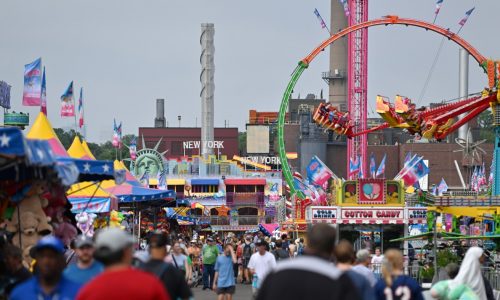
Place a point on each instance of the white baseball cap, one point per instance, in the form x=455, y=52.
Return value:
x=113, y=239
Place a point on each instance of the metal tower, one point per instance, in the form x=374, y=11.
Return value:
x=358, y=80
x=207, y=87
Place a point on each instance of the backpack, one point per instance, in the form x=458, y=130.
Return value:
x=247, y=251
x=280, y=254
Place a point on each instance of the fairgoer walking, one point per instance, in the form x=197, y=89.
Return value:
x=261, y=263
x=209, y=256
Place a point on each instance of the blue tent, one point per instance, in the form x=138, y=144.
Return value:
x=22, y=159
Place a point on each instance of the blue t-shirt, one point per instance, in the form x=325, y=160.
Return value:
x=224, y=266
x=30, y=289
x=83, y=276
x=403, y=287
x=362, y=285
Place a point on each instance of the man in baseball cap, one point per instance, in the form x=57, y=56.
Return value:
x=113, y=248
x=48, y=282
x=86, y=266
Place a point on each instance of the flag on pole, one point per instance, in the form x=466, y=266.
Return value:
x=4, y=95
x=116, y=138
x=408, y=157
x=434, y=190
x=413, y=171
x=32, y=83
x=381, y=167
x=346, y=6
x=67, y=102
x=133, y=148
x=467, y=15
x=442, y=187
x=360, y=173
x=373, y=165
x=353, y=166
x=80, y=109
x=321, y=21
x=120, y=135
x=317, y=172
x=162, y=180
x=43, y=97
x=438, y=6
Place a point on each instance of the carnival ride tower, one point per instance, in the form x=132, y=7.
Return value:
x=495, y=190
x=357, y=85
x=207, y=87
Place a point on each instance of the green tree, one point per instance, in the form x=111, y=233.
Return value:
x=485, y=122
x=103, y=151
x=242, y=143
x=66, y=137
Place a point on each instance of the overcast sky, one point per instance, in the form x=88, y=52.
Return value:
x=128, y=53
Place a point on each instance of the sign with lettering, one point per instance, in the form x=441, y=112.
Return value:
x=206, y=144
x=372, y=213
x=266, y=160
x=417, y=215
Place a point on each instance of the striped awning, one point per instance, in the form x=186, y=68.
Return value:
x=245, y=181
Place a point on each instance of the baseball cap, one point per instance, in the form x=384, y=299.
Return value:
x=48, y=242
x=82, y=241
x=113, y=239
x=261, y=242
x=210, y=239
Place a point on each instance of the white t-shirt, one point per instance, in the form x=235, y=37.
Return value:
x=262, y=265
x=377, y=263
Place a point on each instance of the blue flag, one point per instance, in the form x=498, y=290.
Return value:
x=373, y=166
x=442, y=187
x=467, y=15
x=316, y=12
x=43, y=98
x=4, y=95
x=381, y=167
x=32, y=83
x=68, y=102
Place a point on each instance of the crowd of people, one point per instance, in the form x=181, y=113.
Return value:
x=109, y=267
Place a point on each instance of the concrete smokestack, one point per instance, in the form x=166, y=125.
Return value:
x=463, y=86
x=337, y=77
x=160, y=113
x=207, y=87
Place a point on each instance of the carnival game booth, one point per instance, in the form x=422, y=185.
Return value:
x=369, y=213
x=32, y=183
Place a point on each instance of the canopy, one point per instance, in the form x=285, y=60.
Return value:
x=268, y=229
x=91, y=198
x=22, y=159
x=130, y=192
x=76, y=150
x=42, y=130
x=99, y=170
x=87, y=149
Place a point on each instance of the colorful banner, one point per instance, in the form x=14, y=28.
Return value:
x=43, y=98
x=381, y=168
x=94, y=205
x=133, y=148
x=413, y=171
x=373, y=165
x=4, y=95
x=317, y=172
x=371, y=191
x=67, y=102
x=467, y=15
x=80, y=109
x=32, y=83
x=321, y=21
